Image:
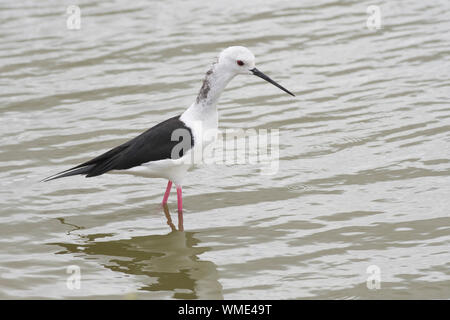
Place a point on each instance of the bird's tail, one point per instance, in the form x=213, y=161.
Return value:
x=70, y=172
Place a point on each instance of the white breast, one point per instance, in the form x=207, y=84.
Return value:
x=203, y=122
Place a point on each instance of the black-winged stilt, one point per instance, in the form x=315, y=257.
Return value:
x=152, y=152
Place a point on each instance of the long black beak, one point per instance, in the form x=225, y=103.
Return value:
x=258, y=73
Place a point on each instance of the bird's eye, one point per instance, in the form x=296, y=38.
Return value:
x=240, y=62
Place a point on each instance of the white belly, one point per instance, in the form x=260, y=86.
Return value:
x=174, y=170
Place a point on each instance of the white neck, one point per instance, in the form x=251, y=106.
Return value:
x=216, y=79
x=202, y=114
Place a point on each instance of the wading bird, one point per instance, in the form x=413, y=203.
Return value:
x=155, y=152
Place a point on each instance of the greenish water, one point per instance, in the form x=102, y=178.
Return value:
x=364, y=151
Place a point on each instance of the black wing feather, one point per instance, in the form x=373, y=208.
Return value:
x=152, y=145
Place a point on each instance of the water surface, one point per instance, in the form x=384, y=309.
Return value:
x=364, y=151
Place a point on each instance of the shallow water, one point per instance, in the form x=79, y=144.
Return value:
x=364, y=151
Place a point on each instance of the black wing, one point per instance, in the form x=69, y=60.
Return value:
x=152, y=145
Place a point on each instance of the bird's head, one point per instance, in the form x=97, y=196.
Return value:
x=241, y=60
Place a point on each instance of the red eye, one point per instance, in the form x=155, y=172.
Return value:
x=240, y=62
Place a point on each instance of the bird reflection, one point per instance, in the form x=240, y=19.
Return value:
x=169, y=219
x=170, y=261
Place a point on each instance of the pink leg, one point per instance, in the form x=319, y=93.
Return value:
x=179, y=198
x=180, y=208
x=166, y=195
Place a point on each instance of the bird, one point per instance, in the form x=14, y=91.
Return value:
x=162, y=151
